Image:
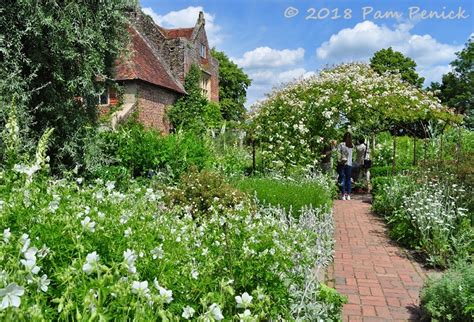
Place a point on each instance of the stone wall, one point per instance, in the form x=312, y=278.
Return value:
x=152, y=104
x=209, y=64
x=170, y=50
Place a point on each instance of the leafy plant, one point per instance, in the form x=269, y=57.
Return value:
x=450, y=297
x=292, y=195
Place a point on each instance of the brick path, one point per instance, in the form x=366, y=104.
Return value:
x=382, y=284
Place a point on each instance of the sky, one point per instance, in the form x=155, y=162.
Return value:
x=277, y=41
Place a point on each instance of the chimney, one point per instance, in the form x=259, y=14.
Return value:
x=201, y=20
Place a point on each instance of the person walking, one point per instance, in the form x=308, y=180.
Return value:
x=360, y=155
x=344, y=167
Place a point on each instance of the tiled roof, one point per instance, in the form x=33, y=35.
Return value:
x=143, y=64
x=178, y=33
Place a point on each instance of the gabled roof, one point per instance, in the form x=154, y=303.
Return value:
x=178, y=33
x=144, y=64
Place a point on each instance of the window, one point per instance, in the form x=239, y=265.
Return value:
x=203, y=51
x=104, y=97
x=206, y=85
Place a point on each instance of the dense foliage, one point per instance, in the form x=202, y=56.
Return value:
x=388, y=60
x=451, y=297
x=295, y=122
x=193, y=111
x=457, y=87
x=51, y=55
x=233, y=84
x=241, y=262
x=292, y=195
x=429, y=216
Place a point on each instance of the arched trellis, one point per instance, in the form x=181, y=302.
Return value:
x=296, y=121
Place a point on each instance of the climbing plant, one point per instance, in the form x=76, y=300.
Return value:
x=296, y=121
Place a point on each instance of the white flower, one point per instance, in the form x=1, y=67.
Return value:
x=87, y=224
x=167, y=295
x=205, y=251
x=127, y=232
x=140, y=288
x=244, y=300
x=110, y=185
x=11, y=296
x=30, y=260
x=194, y=274
x=6, y=235
x=157, y=252
x=91, y=262
x=246, y=316
x=188, y=312
x=215, y=312
x=43, y=283
x=130, y=257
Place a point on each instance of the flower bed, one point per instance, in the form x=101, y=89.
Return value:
x=72, y=250
x=427, y=215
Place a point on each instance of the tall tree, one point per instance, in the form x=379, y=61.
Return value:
x=51, y=55
x=457, y=87
x=233, y=84
x=389, y=60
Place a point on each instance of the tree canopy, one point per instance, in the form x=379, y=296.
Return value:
x=388, y=60
x=457, y=87
x=233, y=84
x=51, y=55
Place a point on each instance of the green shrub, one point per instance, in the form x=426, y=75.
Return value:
x=288, y=194
x=385, y=171
x=204, y=192
x=451, y=297
x=388, y=193
x=143, y=151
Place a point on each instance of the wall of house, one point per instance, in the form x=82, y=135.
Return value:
x=152, y=104
x=170, y=50
x=209, y=64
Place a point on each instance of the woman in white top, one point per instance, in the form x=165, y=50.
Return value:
x=345, y=166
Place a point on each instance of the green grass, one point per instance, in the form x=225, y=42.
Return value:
x=286, y=194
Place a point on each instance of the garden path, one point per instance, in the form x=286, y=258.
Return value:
x=381, y=282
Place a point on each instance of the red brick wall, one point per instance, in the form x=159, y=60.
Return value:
x=152, y=104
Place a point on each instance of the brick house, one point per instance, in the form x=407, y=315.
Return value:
x=153, y=72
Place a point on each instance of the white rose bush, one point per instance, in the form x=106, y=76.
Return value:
x=296, y=121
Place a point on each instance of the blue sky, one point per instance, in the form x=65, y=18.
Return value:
x=276, y=41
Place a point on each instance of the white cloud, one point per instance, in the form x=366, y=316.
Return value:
x=269, y=57
x=186, y=18
x=364, y=39
x=274, y=77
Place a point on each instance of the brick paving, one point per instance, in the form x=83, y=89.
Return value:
x=380, y=281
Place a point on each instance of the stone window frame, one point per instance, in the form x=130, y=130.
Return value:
x=203, y=51
x=205, y=84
